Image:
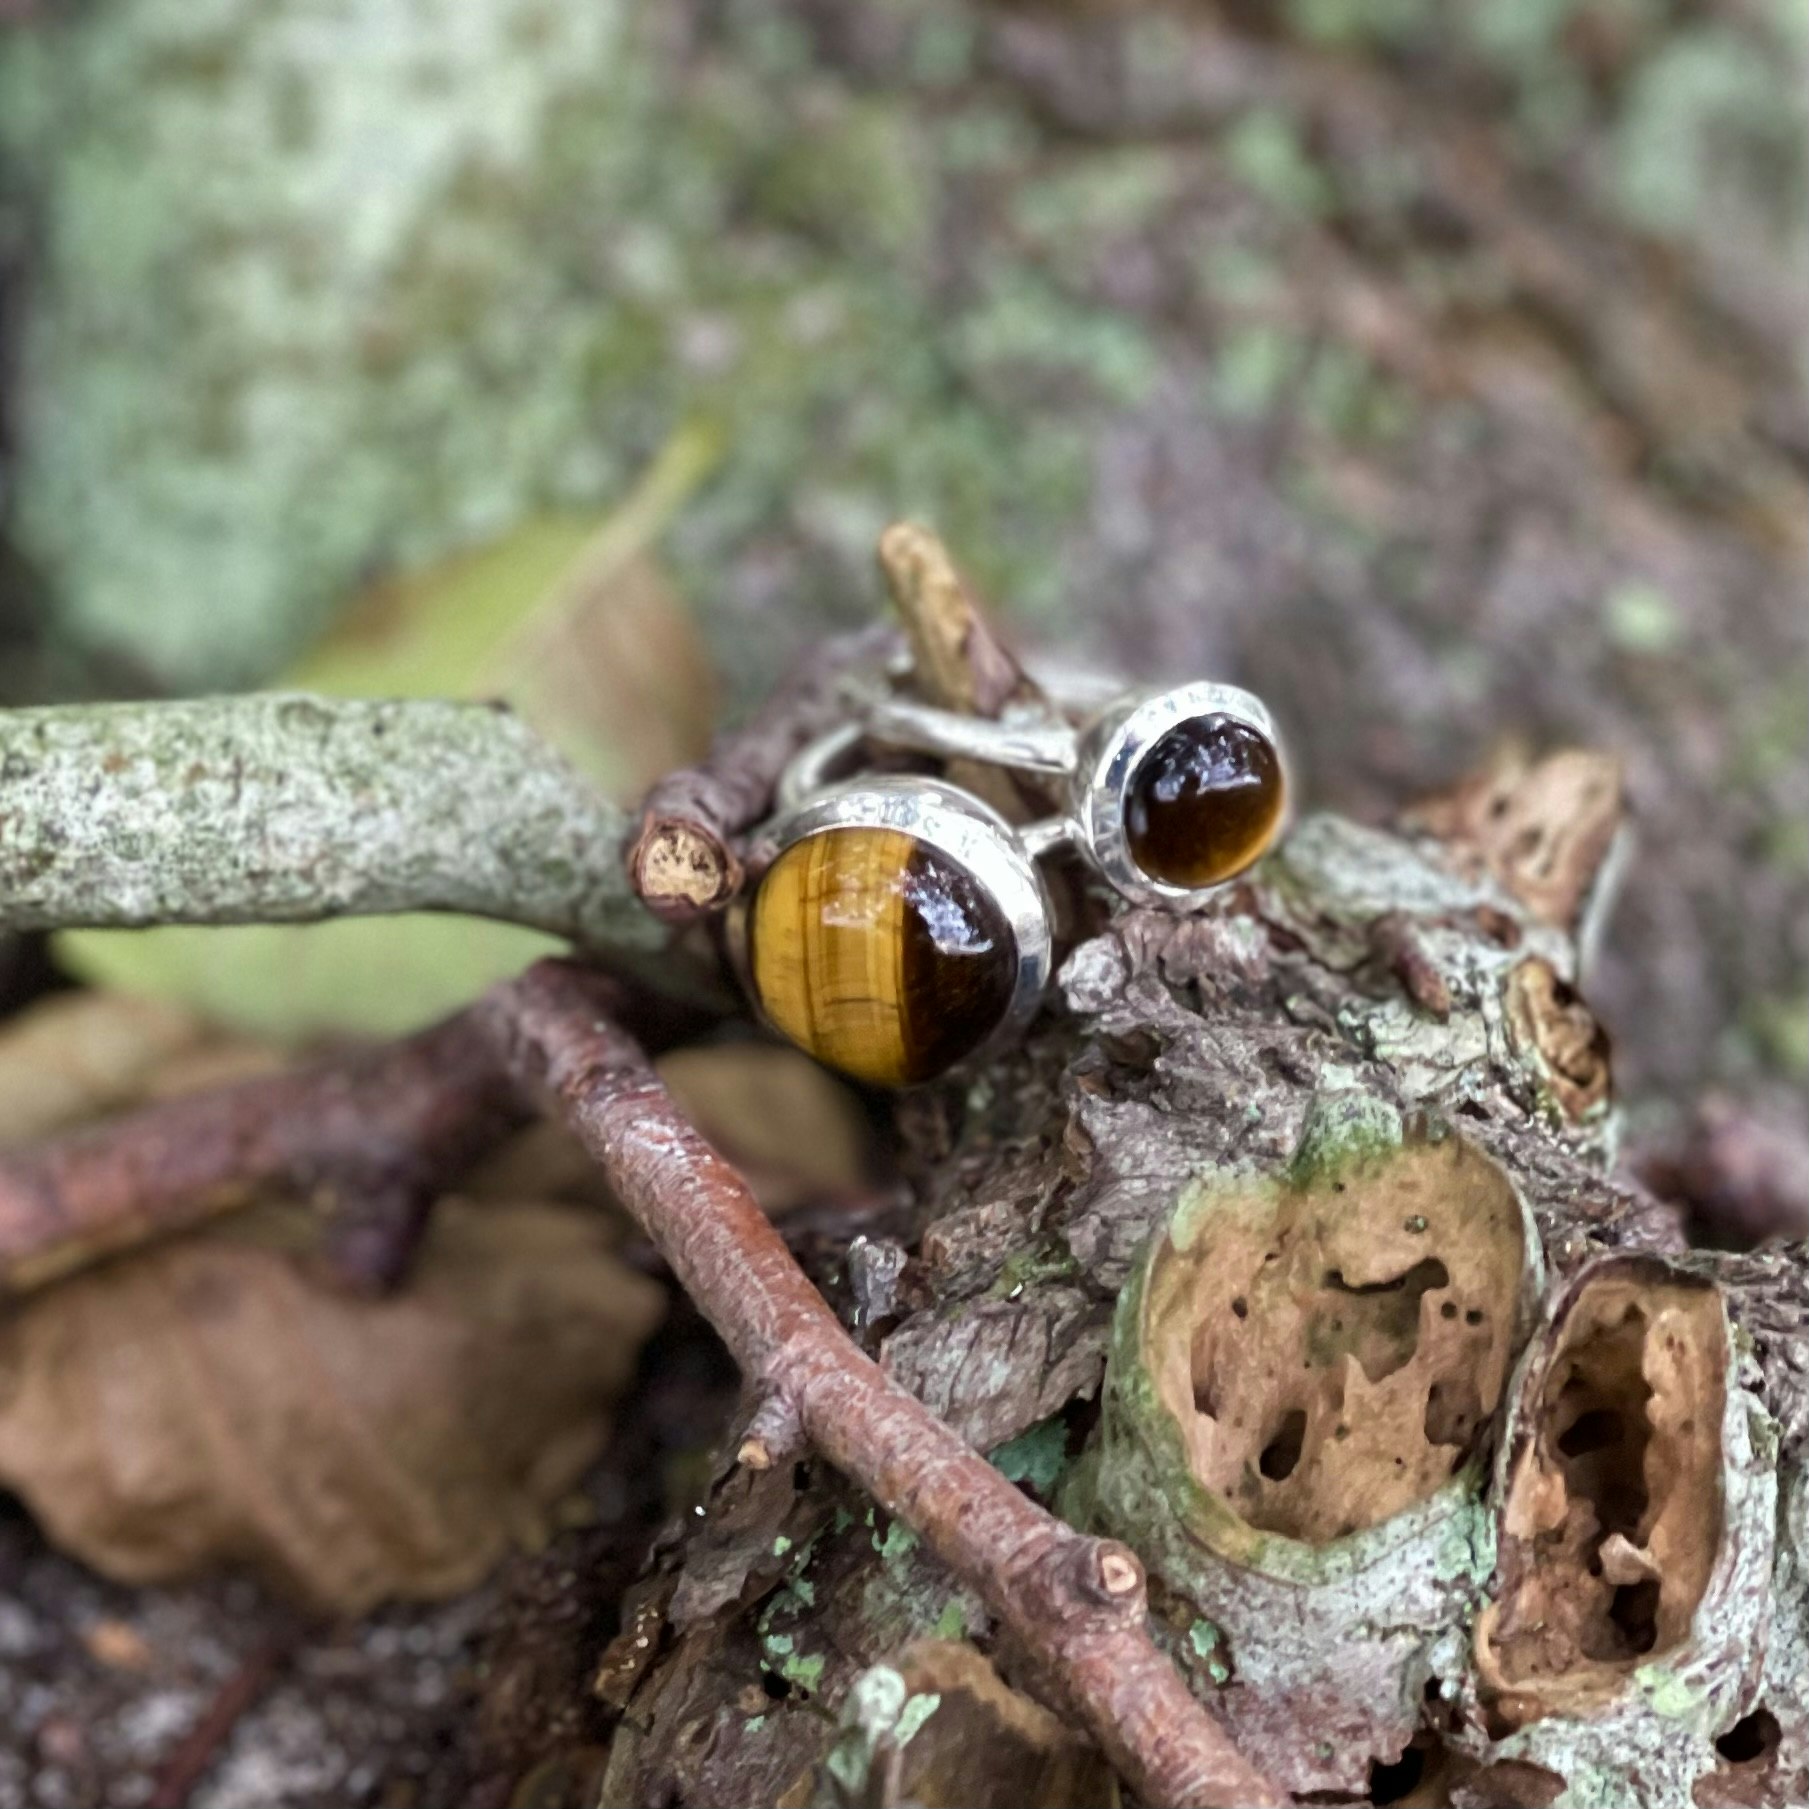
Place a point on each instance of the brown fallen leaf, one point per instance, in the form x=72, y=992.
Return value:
x=76, y=1055
x=797, y=1133
x=792, y=1128
x=211, y=1402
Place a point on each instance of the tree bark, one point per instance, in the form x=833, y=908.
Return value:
x=1289, y=1251
x=291, y=809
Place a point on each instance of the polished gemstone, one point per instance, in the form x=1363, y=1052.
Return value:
x=878, y=955
x=1205, y=801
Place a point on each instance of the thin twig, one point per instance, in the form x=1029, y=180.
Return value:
x=1076, y=1603
x=381, y=1130
x=957, y=660
x=198, y=1750
x=683, y=861
x=394, y=1123
x=290, y=809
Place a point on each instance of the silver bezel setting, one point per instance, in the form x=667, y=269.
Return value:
x=1113, y=747
x=962, y=829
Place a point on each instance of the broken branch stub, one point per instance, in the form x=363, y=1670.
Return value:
x=684, y=857
x=1560, y=1040
x=1303, y=1371
x=1613, y=1510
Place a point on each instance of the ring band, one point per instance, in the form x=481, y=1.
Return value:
x=1170, y=794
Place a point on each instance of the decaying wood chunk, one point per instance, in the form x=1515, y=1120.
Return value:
x=1545, y=829
x=1332, y=1347
x=1613, y=1516
x=1313, y=1185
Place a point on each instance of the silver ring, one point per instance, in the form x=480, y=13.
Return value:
x=1170, y=795
x=900, y=930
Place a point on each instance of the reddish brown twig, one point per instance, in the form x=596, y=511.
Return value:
x=388, y=1126
x=381, y=1130
x=199, y=1749
x=1077, y=1603
x=682, y=860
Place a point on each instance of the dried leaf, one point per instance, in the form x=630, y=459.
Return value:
x=985, y=1743
x=212, y=1403
x=795, y=1131
x=565, y=617
x=78, y=1055
x=296, y=983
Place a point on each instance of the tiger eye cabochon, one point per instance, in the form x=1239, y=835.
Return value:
x=879, y=955
x=1205, y=802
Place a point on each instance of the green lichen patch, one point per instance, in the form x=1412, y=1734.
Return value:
x=1035, y=1458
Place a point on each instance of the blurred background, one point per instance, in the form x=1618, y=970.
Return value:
x=1436, y=367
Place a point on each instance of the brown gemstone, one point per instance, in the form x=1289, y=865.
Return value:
x=1205, y=801
x=878, y=955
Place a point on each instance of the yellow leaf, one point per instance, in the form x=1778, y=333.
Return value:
x=567, y=617
x=373, y=976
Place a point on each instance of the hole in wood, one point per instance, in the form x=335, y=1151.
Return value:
x=1752, y=1738
x=1613, y=1513
x=1334, y=1351
x=1395, y=1783
x=1282, y=1452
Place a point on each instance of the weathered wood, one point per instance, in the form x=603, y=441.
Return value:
x=1268, y=1069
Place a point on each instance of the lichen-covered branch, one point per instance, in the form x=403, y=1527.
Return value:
x=1075, y=1602
x=288, y=809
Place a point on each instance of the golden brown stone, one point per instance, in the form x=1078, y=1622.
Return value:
x=878, y=955
x=1205, y=801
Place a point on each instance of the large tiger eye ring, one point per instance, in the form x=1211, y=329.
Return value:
x=899, y=930
x=1170, y=794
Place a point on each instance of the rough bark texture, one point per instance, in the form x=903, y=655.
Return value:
x=1270, y=1068
x=290, y=809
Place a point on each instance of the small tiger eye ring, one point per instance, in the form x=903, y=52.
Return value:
x=1170, y=794
x=1177, y=792
x=899, y=930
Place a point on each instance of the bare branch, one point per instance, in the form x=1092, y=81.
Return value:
x=288, y=809
x=390, y=1125
x=1077, y=1603
x=382, y=1130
